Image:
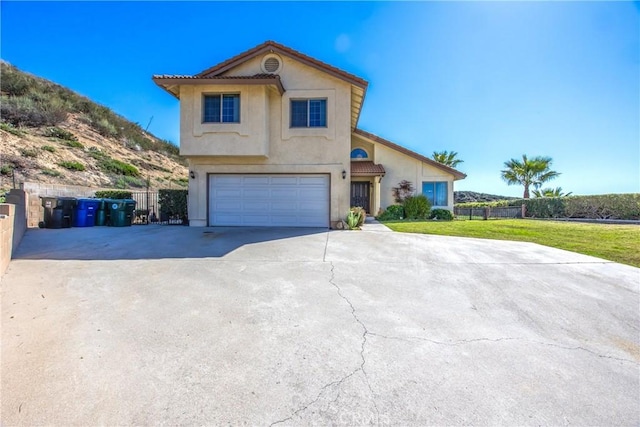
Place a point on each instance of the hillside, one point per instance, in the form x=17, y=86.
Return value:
x=51, y=134
x=472, y=196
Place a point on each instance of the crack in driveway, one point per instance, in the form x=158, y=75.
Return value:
x=474, y=340
x=339, y=382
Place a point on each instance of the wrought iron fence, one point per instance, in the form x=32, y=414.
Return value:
x=149, y=210
x=488, y=212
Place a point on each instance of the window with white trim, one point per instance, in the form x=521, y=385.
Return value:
x=221, y=108
x=437, y=192
x=308, y=113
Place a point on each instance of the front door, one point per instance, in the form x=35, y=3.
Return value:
x=360, y=195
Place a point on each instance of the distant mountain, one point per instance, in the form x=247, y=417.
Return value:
x=472, y=196
x=51, y=134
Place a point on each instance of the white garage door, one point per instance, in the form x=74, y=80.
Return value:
x=269, y=200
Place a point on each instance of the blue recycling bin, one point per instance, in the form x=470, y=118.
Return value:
x=84, y=214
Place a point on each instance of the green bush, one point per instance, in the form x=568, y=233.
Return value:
x=441, y=214
x=74, y=166
x=417, y=207
x=6, y=170
x=392, y=213
x=173, y=203
x=56, y=132
x=11, y=129
x=49, y=148
x=107, y=164
x=494, y=204
x=129, y=181
x=113, y=194
x=50, y=172
x=605, y=206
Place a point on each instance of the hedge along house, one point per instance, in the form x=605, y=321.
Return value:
x=271, y=139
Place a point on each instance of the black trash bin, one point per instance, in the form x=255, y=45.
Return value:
x=58, y=211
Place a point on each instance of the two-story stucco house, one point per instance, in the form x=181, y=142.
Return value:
x=271, y=138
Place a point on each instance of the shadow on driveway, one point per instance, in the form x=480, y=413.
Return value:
x=157, y=242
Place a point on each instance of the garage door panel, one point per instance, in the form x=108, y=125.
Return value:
x=255, y=180
x=269, y=200
x=312, y=180
x=227, y=180
x=257, y=193
x=284, y=180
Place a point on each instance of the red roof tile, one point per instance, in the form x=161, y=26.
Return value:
x=366, y=168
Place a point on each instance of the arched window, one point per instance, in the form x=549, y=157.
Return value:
x=359, y=153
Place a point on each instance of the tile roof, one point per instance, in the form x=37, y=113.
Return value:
x=457, y=174
x=186, y=77
x=366, y=168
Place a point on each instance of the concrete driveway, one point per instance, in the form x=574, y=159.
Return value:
x=183, y=326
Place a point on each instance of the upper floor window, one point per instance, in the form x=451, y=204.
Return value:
x=437, y=192
x=308, y=113
x=359, y=153
x=221, y=108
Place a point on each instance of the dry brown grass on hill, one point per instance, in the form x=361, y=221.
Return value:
x=53, y=155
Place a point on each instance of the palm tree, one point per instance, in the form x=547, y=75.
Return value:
x=446, y=158
x=528, y=172
x=551, y=192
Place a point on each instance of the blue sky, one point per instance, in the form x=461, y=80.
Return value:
x=490, y=80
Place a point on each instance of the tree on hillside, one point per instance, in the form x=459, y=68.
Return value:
x=551, y=192
x=447, y=158
x=528, y=172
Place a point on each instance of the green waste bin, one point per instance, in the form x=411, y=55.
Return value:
x=121, y=212
x=101, y=212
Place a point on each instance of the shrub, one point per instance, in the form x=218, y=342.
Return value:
x=605, y=206
x=441, y=214
x=73, y=166
x=494, y=204
x=113, y=194
x=73, y=144
x=417, y=207
x=49, y=148
x=392, y=213
x=402, y=191
x=50, y=172
x=6, y=170
x=56, y=132
x=28, y=153
x=173, y=203
x=11, y=129
x=129, y=181
x=117, y=167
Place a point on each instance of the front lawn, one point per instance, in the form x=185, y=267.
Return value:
x=619, y=243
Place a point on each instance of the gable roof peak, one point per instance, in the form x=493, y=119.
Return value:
x=272, y=46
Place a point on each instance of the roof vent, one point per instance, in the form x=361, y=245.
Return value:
x=271, y=64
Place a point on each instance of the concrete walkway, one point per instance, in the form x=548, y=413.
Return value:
x=156, y=325
x=372, y=224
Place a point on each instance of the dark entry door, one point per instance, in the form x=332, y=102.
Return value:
x=360, y=195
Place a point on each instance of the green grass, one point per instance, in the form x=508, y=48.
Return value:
x=619, y=243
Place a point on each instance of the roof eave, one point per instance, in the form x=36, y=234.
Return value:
x=457, y=175
x=165, y=82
